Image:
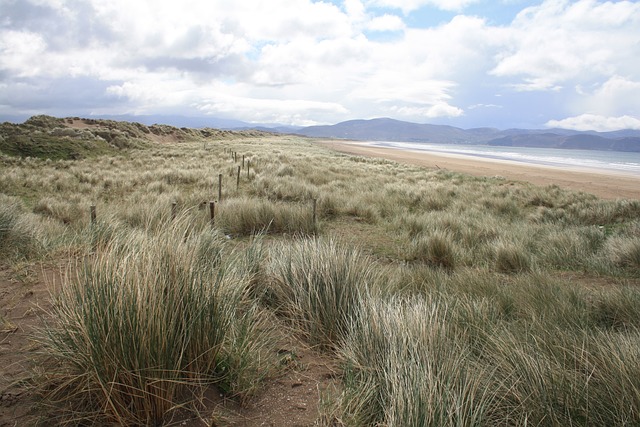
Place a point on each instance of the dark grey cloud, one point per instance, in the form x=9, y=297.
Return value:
x=74, y=26
x=58, y=96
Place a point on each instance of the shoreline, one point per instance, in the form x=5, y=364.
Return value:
x=602, y=183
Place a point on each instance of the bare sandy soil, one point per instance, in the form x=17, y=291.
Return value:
x=602, y=184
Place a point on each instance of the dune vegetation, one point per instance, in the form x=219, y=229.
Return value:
x=446, y=299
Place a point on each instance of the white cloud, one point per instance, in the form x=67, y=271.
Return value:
x=290, y=111
x=476, y=106
x=559, y=41
x=386, y=22
x=595, y=122
x=441, y=110
x=616, y=96
x=148, y=55
x=21, y=51
x=410, y=5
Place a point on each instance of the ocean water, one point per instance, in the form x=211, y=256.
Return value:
x=606, y=161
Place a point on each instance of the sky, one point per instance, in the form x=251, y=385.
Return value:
x=465, y=63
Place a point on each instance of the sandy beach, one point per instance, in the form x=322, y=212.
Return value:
x=604, y=184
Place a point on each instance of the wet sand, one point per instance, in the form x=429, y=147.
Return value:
x=602, y=183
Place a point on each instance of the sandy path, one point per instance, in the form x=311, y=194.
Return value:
x=607, y=185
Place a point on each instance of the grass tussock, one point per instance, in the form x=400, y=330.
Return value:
x=511, y=258
x=319, y=284
x=151, y=319
x=244, y=217
x=436, y=250
x=404, y=366
x=19, y=231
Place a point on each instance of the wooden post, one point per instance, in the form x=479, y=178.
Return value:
x=248, y=167
x=92, y=214
x=219, y=187
x=243, y=161
x=212, y=212
x=315, y=224
x=174, y=210
x=238, y=179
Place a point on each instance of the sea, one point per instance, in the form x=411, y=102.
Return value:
x=605, y=161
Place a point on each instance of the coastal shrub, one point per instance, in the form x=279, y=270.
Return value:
x=148, y=322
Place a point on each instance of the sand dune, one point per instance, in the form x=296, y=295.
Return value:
x=604, y=184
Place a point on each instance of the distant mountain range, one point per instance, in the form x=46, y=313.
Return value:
x=396, y=130
x=384, y=129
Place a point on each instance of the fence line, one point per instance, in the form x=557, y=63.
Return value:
x=212, y=213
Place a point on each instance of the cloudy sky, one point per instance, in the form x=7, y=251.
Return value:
x=466, y=63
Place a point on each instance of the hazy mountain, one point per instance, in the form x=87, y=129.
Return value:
x=390, y=130
x=396, y=130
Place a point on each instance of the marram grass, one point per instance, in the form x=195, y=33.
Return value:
x=319, y=285
x=518, y=304
x=150, y=319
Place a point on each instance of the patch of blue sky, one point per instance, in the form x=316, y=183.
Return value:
x=254, y=53
x=500, y=13
x=383, y=36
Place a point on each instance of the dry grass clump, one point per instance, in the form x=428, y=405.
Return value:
x=148, y=321
x=243, y=217
x=435, y=250
x=624, y=252
x=19, y=231
x=319, y=284
x=511, y=258
x=405, y=366
x=473, y=351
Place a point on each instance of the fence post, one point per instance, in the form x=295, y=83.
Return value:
x=238, y=179
x=248, y=167
x=174, y=210
x=212, y=212
x=243, y=161
x=92, y=214
x=219, y=187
